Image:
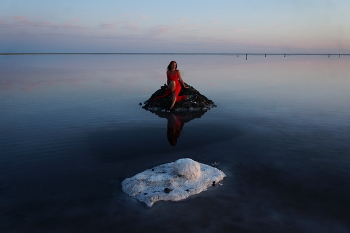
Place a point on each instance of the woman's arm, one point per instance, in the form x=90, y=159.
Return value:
x=181, y=80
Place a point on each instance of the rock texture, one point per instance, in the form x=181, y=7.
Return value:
x=172, y=181
x=195, y=101
x=187, y=168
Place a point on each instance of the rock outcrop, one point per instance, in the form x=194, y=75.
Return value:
x=172, y=181
x=195, y=101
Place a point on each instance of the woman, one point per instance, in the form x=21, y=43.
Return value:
x=174, y=81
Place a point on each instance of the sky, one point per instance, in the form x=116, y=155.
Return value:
x=182, y=26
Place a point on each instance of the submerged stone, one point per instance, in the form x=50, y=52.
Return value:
x=173, y=181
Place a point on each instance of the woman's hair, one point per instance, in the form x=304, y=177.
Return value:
x=169, y=66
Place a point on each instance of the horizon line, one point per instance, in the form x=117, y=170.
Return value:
x=254, y=54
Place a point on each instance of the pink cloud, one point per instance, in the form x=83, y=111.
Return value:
x=244, y=29
x=215, y=21
x=29, y=87
x=143, y=16
x=71, y=23
x=24, y=21
x=160, y=29
x=281, y=26
x=183, y=19
x=129, y=25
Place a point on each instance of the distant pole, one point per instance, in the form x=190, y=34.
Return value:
x=339, y=55
x=284, y=55
x=246, y=56
x=265, y=54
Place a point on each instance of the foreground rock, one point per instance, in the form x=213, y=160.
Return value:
x=172, y=181
x=195, y=101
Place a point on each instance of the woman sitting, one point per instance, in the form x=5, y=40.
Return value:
x=175, y=83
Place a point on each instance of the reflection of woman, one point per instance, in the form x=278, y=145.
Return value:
x=176, y=122
x=174, y=81
x=175, y=126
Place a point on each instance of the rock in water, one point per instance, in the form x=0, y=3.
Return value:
x=187, y=168
x=172, y=181
x=195, y=101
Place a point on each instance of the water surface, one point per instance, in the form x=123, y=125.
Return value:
x=71, y=130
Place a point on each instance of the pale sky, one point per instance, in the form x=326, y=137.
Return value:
x=220, y=26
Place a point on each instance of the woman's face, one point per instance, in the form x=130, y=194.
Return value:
x=173, y=66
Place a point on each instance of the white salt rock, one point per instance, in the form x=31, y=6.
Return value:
x=172, y=181
x=188, y=168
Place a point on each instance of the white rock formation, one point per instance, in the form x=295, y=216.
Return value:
x=187, y=168
x=172, y=181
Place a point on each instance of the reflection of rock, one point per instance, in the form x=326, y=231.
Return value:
x=172, y=181
x=195, y=101
x=183, y=116
x=194, y=106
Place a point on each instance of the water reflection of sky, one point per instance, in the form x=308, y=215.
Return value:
x=281, y=130
x=82, y=88
x=303, y=82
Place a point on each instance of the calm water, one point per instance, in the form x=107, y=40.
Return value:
x=71, y=130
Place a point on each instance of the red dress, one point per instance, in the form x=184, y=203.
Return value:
x=175, y=126
x=175, y=78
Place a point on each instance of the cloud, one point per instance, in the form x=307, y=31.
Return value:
x=158, y=30
x=24, y=22
x=143, y=16
x=108, y=25
x=33, y=34
x=70, y=24
x=243, y=29
x=183, y=19
x=215, y=21
x=130, y=25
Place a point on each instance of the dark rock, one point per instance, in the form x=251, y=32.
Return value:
x=213, y=183
x=167, y=190
x=195, y=101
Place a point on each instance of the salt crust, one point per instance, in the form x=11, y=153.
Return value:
x=173, y=181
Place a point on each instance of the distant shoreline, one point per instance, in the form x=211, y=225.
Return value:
x=221, y=54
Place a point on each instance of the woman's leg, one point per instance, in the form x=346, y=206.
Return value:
x=172, y=87
x=165, y=94
x=168, y=90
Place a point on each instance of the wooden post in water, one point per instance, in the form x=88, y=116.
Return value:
x=246, y=56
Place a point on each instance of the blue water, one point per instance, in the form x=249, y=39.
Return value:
x=72, y=129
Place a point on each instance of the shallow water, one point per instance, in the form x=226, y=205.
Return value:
x=71, y=130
